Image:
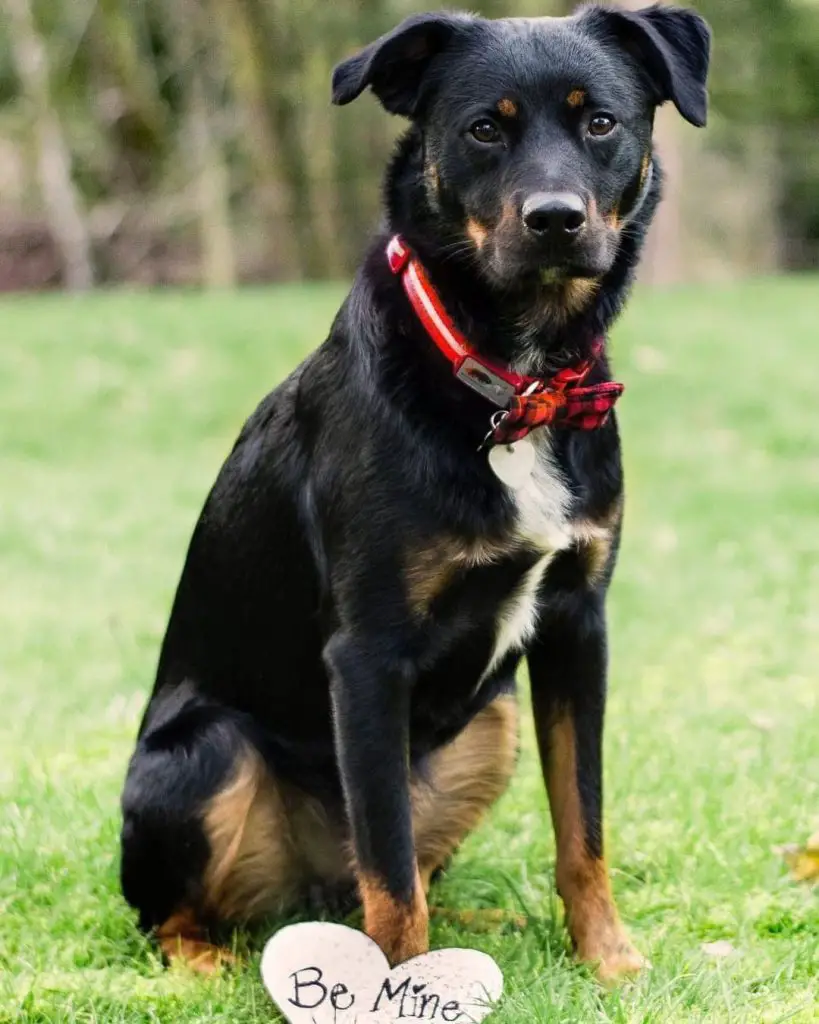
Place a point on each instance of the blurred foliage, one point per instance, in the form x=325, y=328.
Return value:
x=201, y=131
x=766, y=80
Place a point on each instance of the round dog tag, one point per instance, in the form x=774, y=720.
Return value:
x=513, y=463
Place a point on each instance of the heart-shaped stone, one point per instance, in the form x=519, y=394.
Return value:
x=321, y=973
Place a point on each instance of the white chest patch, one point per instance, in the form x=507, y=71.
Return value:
x=544, y=501
x=543, y=505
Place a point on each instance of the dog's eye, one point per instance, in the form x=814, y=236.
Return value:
x=485, y=131
x=602, y=124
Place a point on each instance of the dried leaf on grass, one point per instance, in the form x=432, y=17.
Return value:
x=802, y=860
x=719, y=949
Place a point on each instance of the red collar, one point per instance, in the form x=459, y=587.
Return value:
x=529, y=401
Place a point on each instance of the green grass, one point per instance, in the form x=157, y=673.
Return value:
x=117, y=410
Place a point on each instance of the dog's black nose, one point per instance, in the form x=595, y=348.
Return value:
x=558, y=214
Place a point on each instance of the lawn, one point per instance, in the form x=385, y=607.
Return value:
x=117, y=410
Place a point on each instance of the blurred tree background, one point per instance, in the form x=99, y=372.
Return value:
x=192, y=141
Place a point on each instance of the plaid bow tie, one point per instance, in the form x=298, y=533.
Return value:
x=558, y=404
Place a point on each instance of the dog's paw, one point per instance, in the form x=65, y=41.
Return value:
x=195, y=955
x=612, y=957
x=621, y=965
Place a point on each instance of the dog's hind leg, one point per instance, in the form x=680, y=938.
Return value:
x=206, y=837
x=463, y=780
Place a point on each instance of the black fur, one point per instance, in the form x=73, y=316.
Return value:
x=291, y=630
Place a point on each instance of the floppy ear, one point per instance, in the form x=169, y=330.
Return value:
x=394, y=65
x=673, y=45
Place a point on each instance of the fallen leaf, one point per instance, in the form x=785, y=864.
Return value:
x=719, y=949
x=802, y=860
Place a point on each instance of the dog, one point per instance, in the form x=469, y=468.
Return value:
x=433, y=495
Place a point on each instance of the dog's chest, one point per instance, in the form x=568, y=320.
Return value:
x=542, y=523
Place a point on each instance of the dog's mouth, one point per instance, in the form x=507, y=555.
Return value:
x=551, y=276
x=519, y=269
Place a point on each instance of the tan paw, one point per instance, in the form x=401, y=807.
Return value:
x=400, y=929
x=196, y=955
x=615, y=960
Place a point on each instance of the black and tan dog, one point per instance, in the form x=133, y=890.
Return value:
x=334, y=707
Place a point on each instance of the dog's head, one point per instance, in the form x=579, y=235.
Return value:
x=536, y=132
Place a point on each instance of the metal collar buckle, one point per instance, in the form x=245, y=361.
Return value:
x=490, y=385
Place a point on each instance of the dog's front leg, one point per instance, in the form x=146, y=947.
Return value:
x=371, y=701
x=567, y=667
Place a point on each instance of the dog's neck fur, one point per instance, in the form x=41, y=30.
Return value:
x=527, y=329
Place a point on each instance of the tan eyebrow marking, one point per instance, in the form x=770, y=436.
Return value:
x=576, y=98
x=508, y=107
x=477, y=232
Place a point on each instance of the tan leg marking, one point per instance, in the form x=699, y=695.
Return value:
x=323, y=845
x=583, y=880
x=255, y=867
x=430, y=569
x=428, y=572
x=183, y=942
x=594, y=539
x=400, y=929
x=596, y=551
x=466, y=777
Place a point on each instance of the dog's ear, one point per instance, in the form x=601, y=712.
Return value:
x=394, y=65
x=673, y=45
